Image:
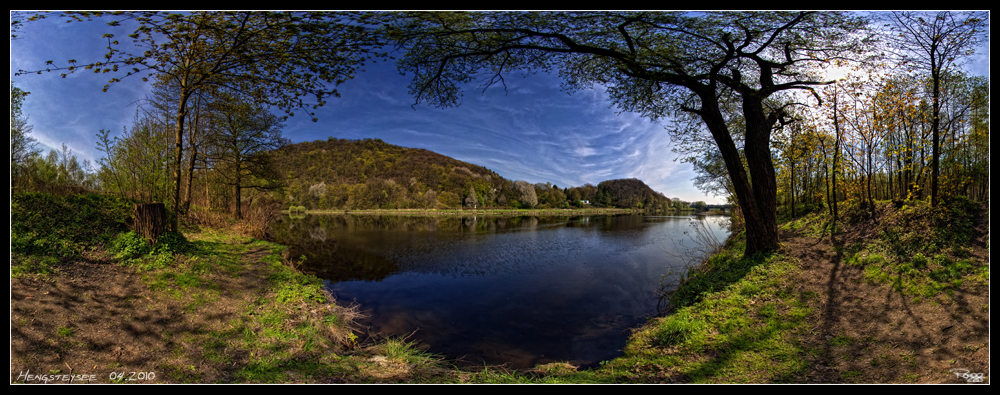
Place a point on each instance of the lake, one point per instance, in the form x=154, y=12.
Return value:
x=500, y=290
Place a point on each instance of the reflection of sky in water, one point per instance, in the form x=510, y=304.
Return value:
x=563, y=290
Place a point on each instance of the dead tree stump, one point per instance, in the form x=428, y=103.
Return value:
x=149, y=220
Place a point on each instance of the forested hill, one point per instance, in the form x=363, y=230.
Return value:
x=629, y=193
x=370, y=173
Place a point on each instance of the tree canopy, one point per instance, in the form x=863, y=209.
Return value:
x=22, y=145
x=248, y=137
x=273, y=58
x=278, y=58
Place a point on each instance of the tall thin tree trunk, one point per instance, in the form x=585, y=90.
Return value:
x=836, y=156
x=194, y=154
x=178, y=150
x=935, y=135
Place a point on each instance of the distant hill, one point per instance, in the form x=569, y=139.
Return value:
x=629, y=193
x=370, y=173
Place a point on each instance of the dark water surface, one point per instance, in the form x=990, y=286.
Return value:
x=515, y=290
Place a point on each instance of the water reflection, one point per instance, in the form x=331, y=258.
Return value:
x=516, y=290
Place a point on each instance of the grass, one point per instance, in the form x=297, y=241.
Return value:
x=63, y=226
x=736, y=319
x=64, y=331
x=741, y=331
x=921, y=251
x=918, y=261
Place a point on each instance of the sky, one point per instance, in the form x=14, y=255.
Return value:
x=534, y=131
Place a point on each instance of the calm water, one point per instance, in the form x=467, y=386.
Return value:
x=520, y=291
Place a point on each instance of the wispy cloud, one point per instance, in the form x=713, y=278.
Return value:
x=534, y=131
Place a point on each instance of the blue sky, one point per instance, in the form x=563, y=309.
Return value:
x=533, y=131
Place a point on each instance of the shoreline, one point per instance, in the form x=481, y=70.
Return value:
x=491, y=212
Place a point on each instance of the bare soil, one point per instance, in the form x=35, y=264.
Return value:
x=98, y=318
x=867, y=332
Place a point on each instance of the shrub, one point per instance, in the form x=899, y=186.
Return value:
x=171, y=242
x=130, y=245
x=48, y=224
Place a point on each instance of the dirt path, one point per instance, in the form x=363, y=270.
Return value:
x=98, y=318
x=869, y=333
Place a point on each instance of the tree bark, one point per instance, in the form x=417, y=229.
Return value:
x=194, y=155
x=758, y=202
x=178, y=150
x=149, y=220
x=935, y=129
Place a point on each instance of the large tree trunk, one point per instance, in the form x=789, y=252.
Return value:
x=149, y=220
x=758, y=201
x=757, y=148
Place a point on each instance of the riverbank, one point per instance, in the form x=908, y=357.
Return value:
x=495, y=212
x=208, y=305
x=224, y=309
x=899, y=297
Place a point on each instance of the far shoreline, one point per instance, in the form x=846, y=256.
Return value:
x=551, y=212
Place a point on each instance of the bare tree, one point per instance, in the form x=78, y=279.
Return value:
x=935, y=42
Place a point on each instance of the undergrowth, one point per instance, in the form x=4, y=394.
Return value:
x=54, y=225
x=922, y=251
x=47, y=229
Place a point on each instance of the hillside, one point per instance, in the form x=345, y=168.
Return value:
x=370, y=173
x=629, y=193
x=344, y=174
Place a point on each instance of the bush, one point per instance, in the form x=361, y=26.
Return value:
x=171, y=242
x=130, y=245
x=48, y=224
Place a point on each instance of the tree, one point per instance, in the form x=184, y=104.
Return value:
x=137, y=164
x=22, y=146
x=653, y=63
x=934, y=42
x=246, y=136
x=528, y=197
x=471, y=200
x=274, y=58
x=160, y=104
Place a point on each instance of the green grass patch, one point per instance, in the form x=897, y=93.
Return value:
x=47, y=225
x=33, y=265
x=918, y=275
x=64, y=331
x=741, y=327
x=922, y=252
